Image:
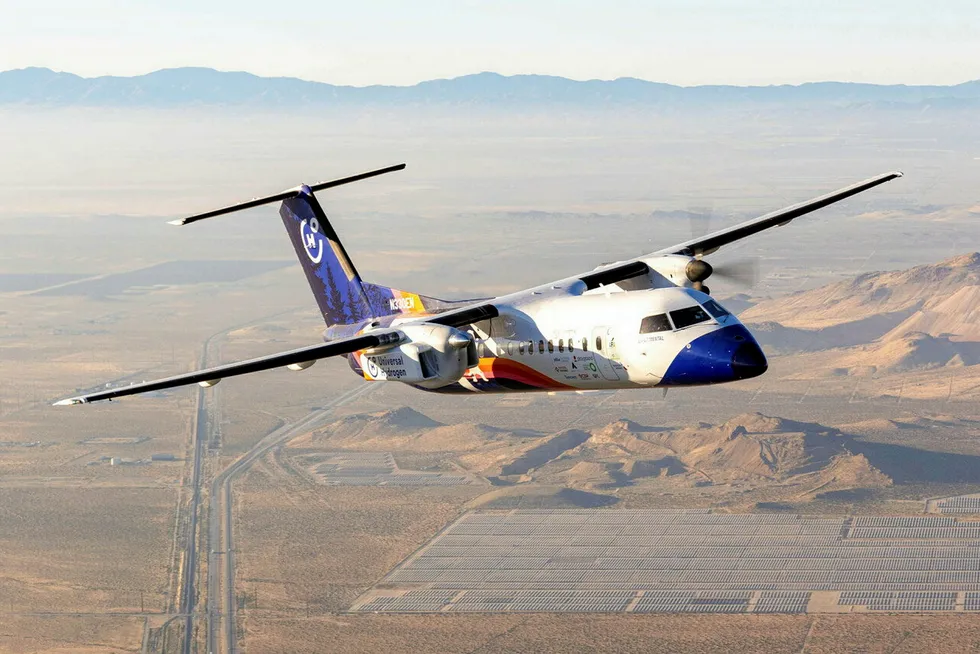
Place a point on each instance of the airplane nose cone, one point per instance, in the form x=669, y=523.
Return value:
x=724, y=355
x=748, y=361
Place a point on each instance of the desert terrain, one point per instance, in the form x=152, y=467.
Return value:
x=869, y=406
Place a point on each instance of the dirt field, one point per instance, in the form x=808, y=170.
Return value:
x=27, y=634
x=84, y=549
x=306, y=548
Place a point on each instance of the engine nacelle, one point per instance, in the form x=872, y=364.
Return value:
x=678, y=269
x=433, y=356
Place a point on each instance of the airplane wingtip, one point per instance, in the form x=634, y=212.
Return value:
x=71, y=401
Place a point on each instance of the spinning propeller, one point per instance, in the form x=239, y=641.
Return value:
x=743, y=272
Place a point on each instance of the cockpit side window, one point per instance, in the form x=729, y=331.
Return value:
x=657, y=323
x=690, y=316
x=716, y=310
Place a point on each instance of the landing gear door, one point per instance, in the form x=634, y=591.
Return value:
x=600, y=346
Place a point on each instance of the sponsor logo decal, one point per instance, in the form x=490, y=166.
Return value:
x=386, y=361
x=309, y=233
x=386, y=367
x=593, y=367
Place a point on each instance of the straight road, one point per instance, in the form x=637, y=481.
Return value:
x=187, y=596
x=221, y=606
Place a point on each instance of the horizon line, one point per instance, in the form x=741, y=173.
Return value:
x=476, y=74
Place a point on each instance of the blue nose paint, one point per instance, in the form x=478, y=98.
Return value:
x=724, y=355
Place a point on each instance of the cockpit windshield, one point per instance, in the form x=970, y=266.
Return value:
x=686, y=317
x=657, y=323
x=690, y=316
x=717, y=311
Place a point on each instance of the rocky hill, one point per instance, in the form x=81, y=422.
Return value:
x=908, y=353
x=881, y=297
x=399, y=429
x=751, y=447
x=747, y=447
x=910, y=323
x=956, y=315
x=750, y=453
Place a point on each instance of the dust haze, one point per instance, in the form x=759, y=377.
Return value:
x=339, y=512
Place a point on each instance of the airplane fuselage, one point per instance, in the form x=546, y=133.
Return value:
x=562, y=339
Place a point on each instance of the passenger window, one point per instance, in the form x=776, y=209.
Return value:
x=551, y=346
x=561, y=344
x=585, y=345
x=716, y=310
x=571, y=347
x=657, y=323
x=510, y=348
x=598, y=342
x=541, y=347
x=690, y=316
x=520, y=347
x=530, y=347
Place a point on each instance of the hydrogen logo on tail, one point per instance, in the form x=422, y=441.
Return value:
x=309, y=232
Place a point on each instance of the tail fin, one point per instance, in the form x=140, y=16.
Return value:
x=332, y=276
x=342, y=296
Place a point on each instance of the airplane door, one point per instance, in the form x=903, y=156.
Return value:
x=606, y=369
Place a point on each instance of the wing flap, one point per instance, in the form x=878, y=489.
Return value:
x=300, y=358
x=465, y=316
x=613, y=274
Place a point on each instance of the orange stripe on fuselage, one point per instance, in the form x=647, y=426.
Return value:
x=497, y=368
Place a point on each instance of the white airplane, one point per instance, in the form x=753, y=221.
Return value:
x=644, y=323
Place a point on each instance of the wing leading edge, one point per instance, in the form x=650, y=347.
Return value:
x=210, y=376
x=711, y=242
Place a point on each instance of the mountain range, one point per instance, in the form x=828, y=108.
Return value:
x=177, y=87
x=910, y=333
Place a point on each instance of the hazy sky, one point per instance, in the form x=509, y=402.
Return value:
x=402, y=42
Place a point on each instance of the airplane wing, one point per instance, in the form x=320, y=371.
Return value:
x=623, y=270
x=711, y=242
x=211, y=376
x=467, y=315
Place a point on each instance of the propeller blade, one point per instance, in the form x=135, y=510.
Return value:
x=699, y=219
x=744, y=272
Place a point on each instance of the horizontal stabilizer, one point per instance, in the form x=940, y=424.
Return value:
x=285, y=195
